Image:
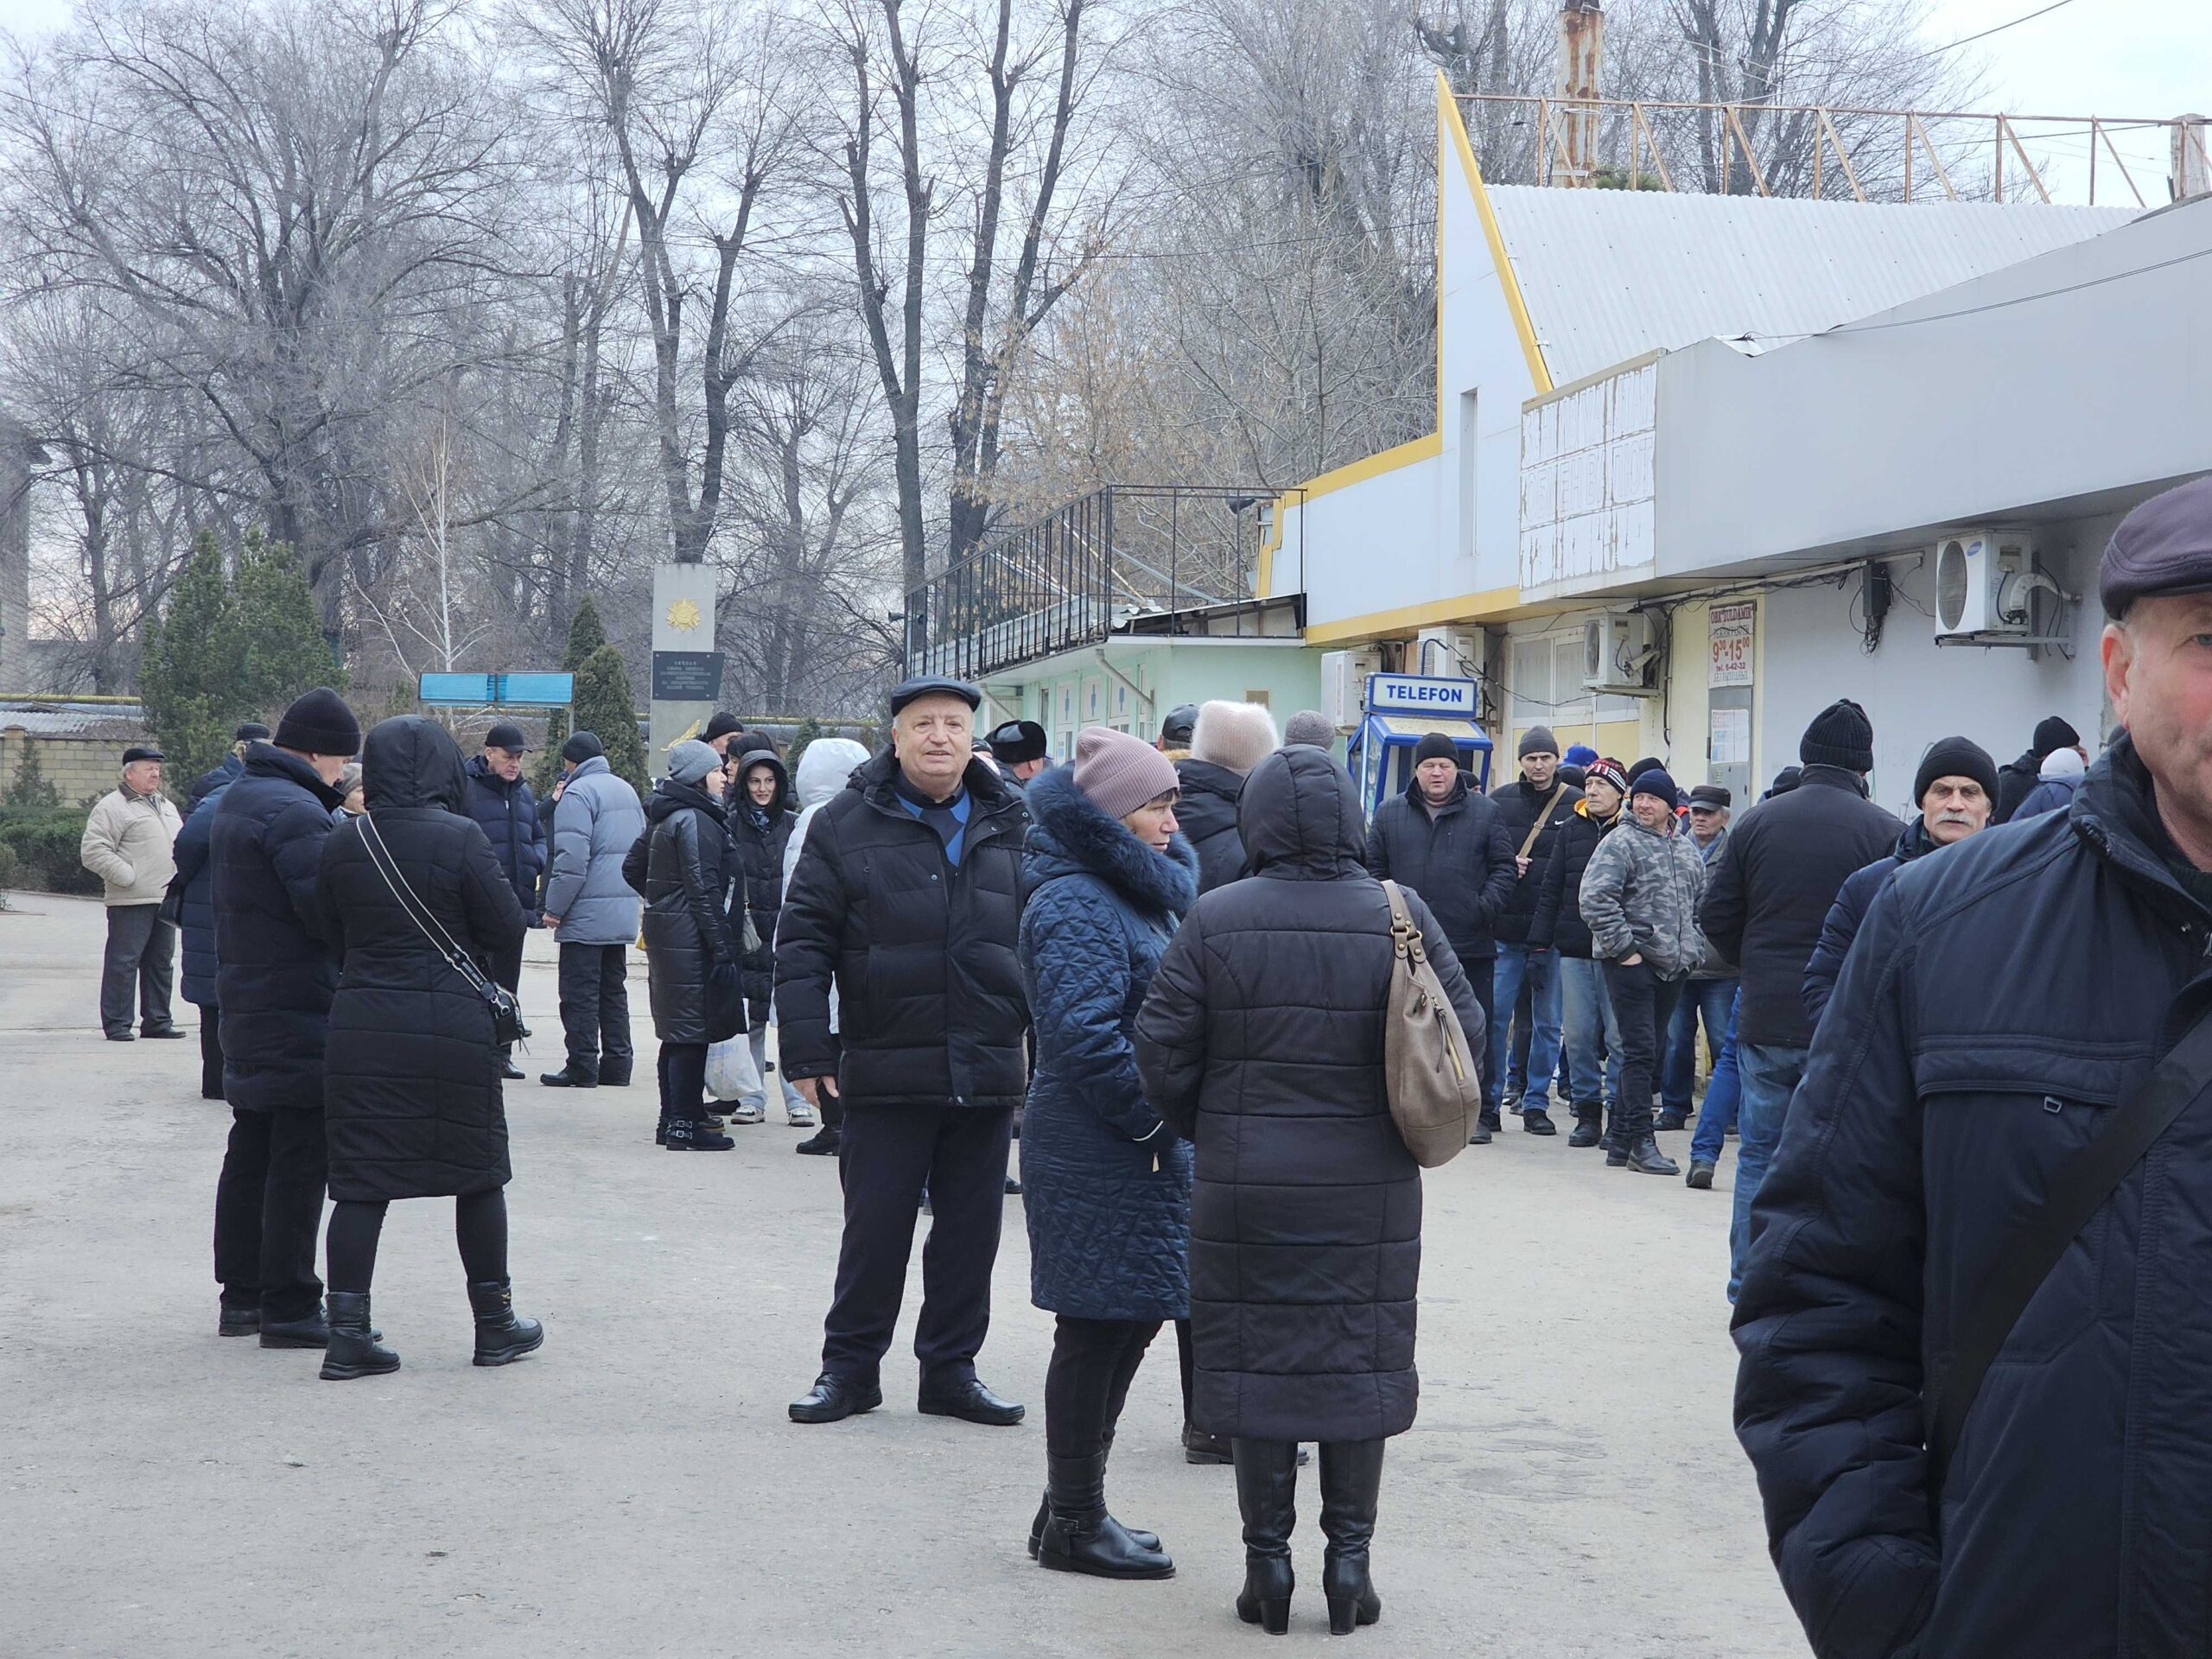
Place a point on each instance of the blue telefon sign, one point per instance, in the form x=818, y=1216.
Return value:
x=1421, y=694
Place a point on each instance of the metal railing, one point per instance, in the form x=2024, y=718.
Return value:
x=1124, y=556
x=1835, y=151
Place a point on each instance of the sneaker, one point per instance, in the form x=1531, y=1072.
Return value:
x=1700, y=1175
x=799, y=1115
x=749, y=1112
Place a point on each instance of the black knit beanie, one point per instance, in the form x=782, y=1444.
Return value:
x=319, y=722
x=1649, y=763
x=2052, y=732
x=580, y=747
x=1434, y=745
x=1954, y=757
x=1840, y=735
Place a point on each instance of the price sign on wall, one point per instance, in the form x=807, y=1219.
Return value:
x=1733, y=627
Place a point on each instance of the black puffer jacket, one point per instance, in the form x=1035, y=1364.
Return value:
x=687, y=869
x=2015, y=781
x=1518, y=804
x=274, y=972
x=1461, y=860
x=930, y=1006
x=1262, y=1041
x=1558, y=923
x=1765, y=901
x=412, y=1089
x=1207, y=817
x=1960, y=1063
x=760, y=848
x=1848, y=914
x=511, y=822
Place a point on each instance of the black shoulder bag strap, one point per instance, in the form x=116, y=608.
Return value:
x=2077, y=1192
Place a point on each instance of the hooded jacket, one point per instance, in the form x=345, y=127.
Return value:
x=921, y=950
x=508, y=814
x=1848, y=914
x=1640, y=895
x=411, y=1099
x=1518, y=805
x=1261, y=1042
x=1459, y=858
x=759, y=848
x=1207, y=815
x=1107, y=1184
x=1767, y=899
x=595, y=822
x=1960, y=1065
x=275, y=970
x=687, y=867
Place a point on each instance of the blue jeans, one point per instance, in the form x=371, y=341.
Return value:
x=1769, y=1073
x=1539, y=969
x=1711, y=1001
x=1586, y=1022
x=1724, y=1092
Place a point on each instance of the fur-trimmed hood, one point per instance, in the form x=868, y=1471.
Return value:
x=1070, y=836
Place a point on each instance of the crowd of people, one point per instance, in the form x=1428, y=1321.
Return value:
x=1166, y=968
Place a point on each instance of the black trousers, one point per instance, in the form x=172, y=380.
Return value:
x=211, y=1053
x=885, y=1155
x=268, y=1202
x=682, y=1069
x=595, y=1006
x=1094, y=1361
x=480, y=1228
x=1643, y=1005
x=506, y=969
x=140, y=956
x=1482, y=980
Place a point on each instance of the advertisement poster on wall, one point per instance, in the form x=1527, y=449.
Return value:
x=1735, y=628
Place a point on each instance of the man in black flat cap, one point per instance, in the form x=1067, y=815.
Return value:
x=1973, y=1327
x=499, y=798
x=907, y=896
x=1018, y=747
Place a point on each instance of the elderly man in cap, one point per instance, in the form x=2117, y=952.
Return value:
x=594, y=913
x=501, y=801
x=1973, y=1327
x=275, y=977
x=1709, y=994
x=129, y=842
x=907, y=896
x=1018, y=747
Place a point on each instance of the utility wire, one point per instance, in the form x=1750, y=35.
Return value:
x=1970, y=39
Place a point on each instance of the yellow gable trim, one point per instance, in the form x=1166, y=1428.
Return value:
x=1358, y=471
x=1448, y=116
x=1492, y=605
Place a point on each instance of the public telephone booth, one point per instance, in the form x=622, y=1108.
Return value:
x=1400, y=710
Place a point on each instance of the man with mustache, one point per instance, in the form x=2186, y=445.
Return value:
x=1956, y=789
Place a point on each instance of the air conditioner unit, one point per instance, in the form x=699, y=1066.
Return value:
x=1618, y=655
x=1344, y=683
x=1985, y=584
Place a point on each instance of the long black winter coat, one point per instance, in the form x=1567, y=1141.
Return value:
x=1107, y=1183
x=509, y=816
x=761, y=855
x=687, y=870
x=1461, y=860
x=1848, y=914
x=276, y=972
x=1207, y=817
x=194, y=884
x=1262, y=1041
x=411, y=1097
x=931, y=1009
x=2001, y=999
x=1518, y=803
x=1767, y=899
x=1558, y=923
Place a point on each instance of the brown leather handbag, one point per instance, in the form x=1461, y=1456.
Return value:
x=1428, y=1068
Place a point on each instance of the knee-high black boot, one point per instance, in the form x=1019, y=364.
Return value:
x=1267, y=1494
x=1351, y=1482
x=1080, y=1536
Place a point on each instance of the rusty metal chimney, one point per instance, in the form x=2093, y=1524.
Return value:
x=1573, y=155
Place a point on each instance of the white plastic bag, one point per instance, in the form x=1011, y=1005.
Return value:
x=731, y=1074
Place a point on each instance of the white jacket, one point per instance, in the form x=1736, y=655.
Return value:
x=131, y=844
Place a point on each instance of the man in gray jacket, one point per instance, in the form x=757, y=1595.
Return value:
x=594, y=914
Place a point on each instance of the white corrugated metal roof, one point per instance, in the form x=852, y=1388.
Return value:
x=1608, y=275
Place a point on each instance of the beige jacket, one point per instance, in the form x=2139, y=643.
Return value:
x=131, y=844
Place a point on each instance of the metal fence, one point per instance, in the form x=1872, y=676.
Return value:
x=1124, y=556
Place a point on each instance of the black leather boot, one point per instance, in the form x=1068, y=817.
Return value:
x=501, y=1338
x=354, y=1350
x=1587, y=1127
x=1266, y=1497
x=1644, y=1157
x=1351, y=1482
x=1079, y=1536
x=1144, y=1540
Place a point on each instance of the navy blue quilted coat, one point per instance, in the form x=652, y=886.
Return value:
x=195, y=843
x=1108, y=1217
x=2003, y=996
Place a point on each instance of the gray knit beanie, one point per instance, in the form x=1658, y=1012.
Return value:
x=1311, y=728
x=1237, y=735
x=691, y=760
x=1119, y=772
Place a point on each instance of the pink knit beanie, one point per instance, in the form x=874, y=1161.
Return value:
x=1119, y=772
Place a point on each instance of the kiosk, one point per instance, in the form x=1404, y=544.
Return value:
x=1401, y=709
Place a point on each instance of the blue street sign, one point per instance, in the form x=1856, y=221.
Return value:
x=529, y=690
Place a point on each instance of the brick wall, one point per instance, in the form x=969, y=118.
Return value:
x=78, y=767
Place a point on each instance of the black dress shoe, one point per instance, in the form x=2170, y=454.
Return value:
x=970, y=1401
x=240, y=1321
x=510, y=1073
x=833, y=1399
x=162, y=1031
x=567, y=1077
